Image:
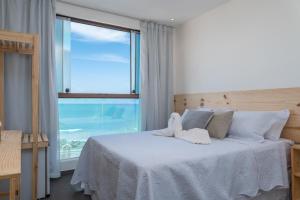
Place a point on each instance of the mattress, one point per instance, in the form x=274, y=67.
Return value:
x=147, y=167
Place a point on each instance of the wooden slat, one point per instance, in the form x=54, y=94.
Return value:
x=10, y=153
x=13, y=42
x=26, y=138
x=31, y=138
x=27, y=141
x=18, y=187
x=4, y=194
x=255, y=100
x=292, y=134
x=295, y=163
x=16, y=37
x=12, y=189
x=16, y=50
x=40, y=138
x=2, y=89
x=1, y=43
x=35, y=114
x=296, y=146
x=45, y=137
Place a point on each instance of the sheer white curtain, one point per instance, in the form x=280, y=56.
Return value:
x=156, y=75
x=32, y=16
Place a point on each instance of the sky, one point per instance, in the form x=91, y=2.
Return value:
x=100, y=59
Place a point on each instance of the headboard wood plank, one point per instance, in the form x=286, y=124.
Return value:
x=255, y=100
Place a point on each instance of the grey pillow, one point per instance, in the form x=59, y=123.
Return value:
x=196, y=119
x=220, y=124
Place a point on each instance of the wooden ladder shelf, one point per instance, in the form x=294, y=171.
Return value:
x=27, y=44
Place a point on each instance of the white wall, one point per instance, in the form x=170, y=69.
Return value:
x=95, y=15
x=243, y=44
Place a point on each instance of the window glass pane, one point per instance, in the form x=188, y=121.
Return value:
x=81, y=118
x=100, y=60
x=59, y=53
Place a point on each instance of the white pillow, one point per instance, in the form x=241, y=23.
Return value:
x=257, y=125
x=184, y=114
x=280, y=118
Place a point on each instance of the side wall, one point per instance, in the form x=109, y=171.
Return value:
x=241, y=45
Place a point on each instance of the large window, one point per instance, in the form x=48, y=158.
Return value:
x=98, y=81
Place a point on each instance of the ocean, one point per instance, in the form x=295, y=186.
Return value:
x=80, y=119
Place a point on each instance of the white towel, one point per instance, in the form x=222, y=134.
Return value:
x=195, y=136
x=174, y=123
x=174, y=126
x=164, y=132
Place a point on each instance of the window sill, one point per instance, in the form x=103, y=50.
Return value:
x=98, y=95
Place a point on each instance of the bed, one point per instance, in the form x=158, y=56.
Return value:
x=147, y=167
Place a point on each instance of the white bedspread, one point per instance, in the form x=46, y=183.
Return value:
x=146, y=167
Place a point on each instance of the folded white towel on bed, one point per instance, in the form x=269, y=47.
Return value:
x=195, y=136
x=174, y=126
x=164, y=132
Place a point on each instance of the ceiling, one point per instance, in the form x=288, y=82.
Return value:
x=161, y=11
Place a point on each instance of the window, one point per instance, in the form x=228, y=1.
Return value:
x=98, y=81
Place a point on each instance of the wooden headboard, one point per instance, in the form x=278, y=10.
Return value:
x=256, y=100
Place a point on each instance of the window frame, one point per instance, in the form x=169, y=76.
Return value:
x=132, y=94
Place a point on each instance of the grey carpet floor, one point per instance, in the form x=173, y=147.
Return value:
x=62, y=190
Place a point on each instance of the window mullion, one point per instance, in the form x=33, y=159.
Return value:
x=132, y=62
x=137, y=62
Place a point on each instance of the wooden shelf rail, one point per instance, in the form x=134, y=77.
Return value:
x=27, y=141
